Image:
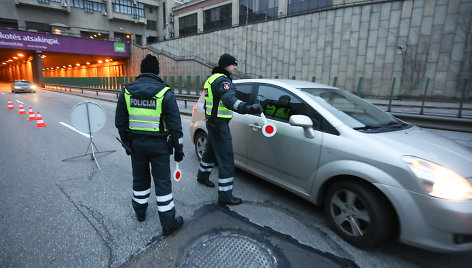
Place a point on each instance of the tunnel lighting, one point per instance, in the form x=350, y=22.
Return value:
x=20, y=55
x=57, y=67
x=70, y=65
x=99, y=34
x=43, y=56
x=63, y=66
x=100, y=61
x=10, y=60
x=111, y=59
x=88, y=63
x=15, y=58
x=3, y=63
x=107, y=60
x=77, y=64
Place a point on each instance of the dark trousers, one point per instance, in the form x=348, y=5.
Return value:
x=219, y=147
x=151, y=156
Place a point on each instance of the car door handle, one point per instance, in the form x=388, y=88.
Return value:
x=255, y=126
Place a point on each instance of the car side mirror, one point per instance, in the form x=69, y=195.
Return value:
x=304, y=122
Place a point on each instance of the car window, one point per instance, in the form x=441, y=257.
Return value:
x=279, y=104
x=243, y=91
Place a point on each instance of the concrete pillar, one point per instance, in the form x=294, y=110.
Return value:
x=283, y=8
x=235, y=13
x=200, y=20
x=37, y=68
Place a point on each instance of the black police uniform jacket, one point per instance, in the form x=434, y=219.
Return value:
x=146, y=86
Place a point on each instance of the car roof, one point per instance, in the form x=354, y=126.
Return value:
x=285, y=83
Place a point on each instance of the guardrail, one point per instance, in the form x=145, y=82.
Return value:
x=182, y=97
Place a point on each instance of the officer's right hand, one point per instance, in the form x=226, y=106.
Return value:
x=178, y=156
x=254, y=109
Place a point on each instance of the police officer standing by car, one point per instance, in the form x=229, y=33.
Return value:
x=220, y=102
x=146, y=113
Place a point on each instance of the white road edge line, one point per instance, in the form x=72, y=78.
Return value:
x=73, y=128
x=19, y=101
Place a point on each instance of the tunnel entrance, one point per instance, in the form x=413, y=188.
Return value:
x=33, y=56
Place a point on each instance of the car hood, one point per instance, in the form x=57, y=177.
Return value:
x=429, y=146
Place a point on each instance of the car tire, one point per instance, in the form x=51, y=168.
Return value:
x=359, y=214
x=200, y=140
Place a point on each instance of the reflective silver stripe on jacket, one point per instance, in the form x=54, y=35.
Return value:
x=143, y=125
x=144, y=118
x=236, y=104
x=220, y=112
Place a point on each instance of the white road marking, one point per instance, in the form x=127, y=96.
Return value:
x=19, y=101
x=73, y=128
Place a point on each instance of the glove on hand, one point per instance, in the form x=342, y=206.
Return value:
x=178, y=156
x=254, y=109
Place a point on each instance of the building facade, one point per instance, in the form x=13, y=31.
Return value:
x=372, y=46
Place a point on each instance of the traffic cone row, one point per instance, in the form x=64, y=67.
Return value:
x=31, y=117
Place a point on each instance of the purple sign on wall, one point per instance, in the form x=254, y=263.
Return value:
x=58, y=43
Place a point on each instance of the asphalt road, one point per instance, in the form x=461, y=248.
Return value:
x=70, y=214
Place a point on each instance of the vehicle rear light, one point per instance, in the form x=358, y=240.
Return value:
x=462, y=238
x=194, y=108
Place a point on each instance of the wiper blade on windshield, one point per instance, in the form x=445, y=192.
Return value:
x=367, y=127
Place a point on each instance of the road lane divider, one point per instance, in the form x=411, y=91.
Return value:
x=73, y=128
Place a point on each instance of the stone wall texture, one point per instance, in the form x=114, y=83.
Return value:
x=402, y=41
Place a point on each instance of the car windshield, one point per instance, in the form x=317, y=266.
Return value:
x=354, y=111
x=22, y=81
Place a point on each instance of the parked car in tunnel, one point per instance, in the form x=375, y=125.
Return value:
x=22, y=86
x=376, y=176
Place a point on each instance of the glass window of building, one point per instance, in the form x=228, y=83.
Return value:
x=188, y=25
x=88, y=6
x=303, y=6
x=151, y=25
x=251, y=11
x=217, y=18
x=136, y=9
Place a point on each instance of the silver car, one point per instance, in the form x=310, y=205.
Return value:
x=376, y=176
x=22, y=86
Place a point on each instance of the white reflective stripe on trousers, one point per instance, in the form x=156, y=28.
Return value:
x=164, y=198
x=142, y=193
x=166, y=208
x=141, y=201
x=225, y=188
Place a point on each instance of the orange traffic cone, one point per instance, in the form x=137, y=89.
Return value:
x=22, y=110
x=10, y=106
x=39, y=121
x=31, y=115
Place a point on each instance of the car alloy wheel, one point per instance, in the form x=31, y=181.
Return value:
x=359, y=214
x=200, y=140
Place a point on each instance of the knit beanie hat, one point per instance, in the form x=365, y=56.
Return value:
x=150, y=65
x=227, y=60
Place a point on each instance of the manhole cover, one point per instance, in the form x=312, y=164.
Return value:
x=228, y=250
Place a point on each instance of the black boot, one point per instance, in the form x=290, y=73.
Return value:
x=233, y=202
x=207, y=183
x=173, y=227
x=141, y=217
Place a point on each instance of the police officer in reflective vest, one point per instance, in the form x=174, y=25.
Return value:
x=146, y=115
x=220, y=102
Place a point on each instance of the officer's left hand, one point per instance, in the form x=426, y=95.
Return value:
x=255, y=109
x=178, y=156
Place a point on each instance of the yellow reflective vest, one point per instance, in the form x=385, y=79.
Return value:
x=222, y=112
x=145, y=114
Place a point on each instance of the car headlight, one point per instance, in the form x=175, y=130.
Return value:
x=17, y=87
x=440, y=181
x=33, y=86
